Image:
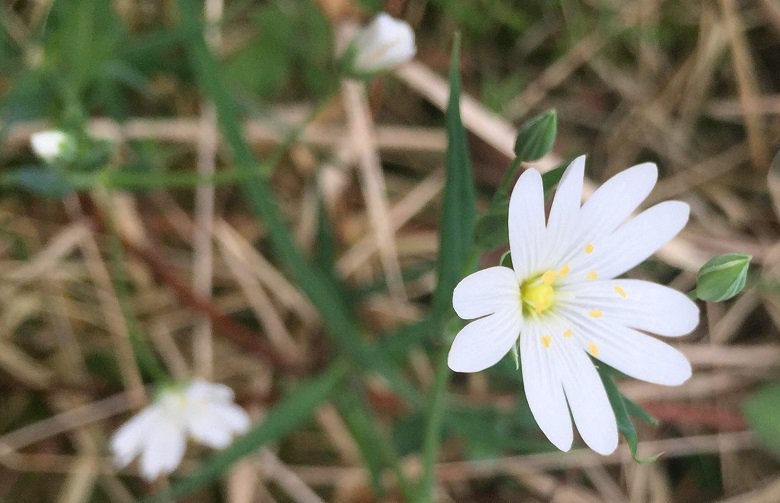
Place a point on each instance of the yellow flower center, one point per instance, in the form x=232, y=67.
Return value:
x=537, y=294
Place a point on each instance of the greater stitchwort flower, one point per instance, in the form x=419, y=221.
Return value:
x=561, y=305
x=202, y=410
x=382, y=45
x=52, y=145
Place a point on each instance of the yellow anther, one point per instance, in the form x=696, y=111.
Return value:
x=596, y=313
x=546, y=341
x=537, y=294
x=564, y=270
x=588, y=249
x=592, y=276
x=568, y=333
x=549, y=277
x=593, y=349
x=620, y=291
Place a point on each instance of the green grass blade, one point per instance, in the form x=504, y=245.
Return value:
x=281, y=420
x=456, y=242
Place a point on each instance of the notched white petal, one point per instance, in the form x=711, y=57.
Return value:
x=638, y=304
x=526, y=223
x=633, y=353
x=486, y=292
x=483, y=342
x=636, y=240
x=564, y=213
x=589, y=403
x=164, y=449
x=128, y=441
x=543, y=388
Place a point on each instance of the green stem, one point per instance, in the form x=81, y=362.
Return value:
x=433, y=428
x=502, y=193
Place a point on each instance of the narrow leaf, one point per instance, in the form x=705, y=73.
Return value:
x=459, y=208
x=625, y=425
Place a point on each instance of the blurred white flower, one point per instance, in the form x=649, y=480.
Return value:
x=201, y=410
x=382, y=45
x=52, y=145
x=561, y=302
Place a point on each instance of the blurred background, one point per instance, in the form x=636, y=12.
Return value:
x=143, y=250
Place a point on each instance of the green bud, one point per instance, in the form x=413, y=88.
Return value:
x=723, y=277
x=537, y=136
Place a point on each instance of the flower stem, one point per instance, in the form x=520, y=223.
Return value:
x=433, y=428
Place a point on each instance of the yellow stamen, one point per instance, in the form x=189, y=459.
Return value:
x=593, y=349
x=589, y=249
x=546, y=341
x=592, y=276
x=596, y=313
x=549, y=277
x=537, y=294
x=564, y=270
x=620, y=291
x=568, y=333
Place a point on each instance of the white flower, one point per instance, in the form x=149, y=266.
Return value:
x=561, y=302
x=52, y=145
x=202, y=410
x=382, y=45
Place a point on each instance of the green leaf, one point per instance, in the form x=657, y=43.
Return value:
x=296, y=408
x=723, y=277
x=459, y=208
x=620, y=406
x=455, y=252
x=537, y=136
x=761, y=412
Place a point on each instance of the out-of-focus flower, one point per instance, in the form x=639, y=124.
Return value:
x=53, y=145
x=382, y=45
x=202, y=410
x=562, y=305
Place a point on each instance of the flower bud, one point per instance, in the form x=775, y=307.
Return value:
x=382, y=45
x=53, y=145
x=723, y=277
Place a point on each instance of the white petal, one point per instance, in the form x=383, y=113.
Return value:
x=564, y=213
x=131, y=437
x=526, y=224
x=614, y=201
x=483, y=342
x=635, y=354
x=215, y=424
x=634, y=241
x=609, y=206
x=588, y=400
x=234, y=418
x=207, y=427
x=164, y=449
x=638, y=304
x=386, y=42
x=202, y=390
x=48, y=145
x=543, y=388
x=485, y=292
